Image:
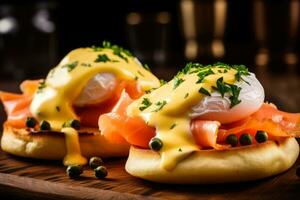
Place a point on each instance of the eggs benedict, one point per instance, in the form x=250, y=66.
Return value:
x=209, y=124
x=57, y=117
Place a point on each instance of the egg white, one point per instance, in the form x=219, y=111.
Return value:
x=217, y=108
x=98, y=89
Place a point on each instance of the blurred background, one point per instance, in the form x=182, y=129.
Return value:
x=165, y=34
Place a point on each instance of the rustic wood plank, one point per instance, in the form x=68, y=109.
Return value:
x=34, y=188
x=38, y=178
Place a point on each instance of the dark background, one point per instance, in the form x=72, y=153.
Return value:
x=165, y=34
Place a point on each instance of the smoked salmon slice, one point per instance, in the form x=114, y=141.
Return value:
x=17, y=105
x=205, y=134
x=117, y=127
x=268, y=118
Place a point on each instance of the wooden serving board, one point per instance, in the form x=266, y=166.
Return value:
x=29, y=178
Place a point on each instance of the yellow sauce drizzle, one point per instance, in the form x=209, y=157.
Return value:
x=63, y=84
x=73, y=156
x=178, y=141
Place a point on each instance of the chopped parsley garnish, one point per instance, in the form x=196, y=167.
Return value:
x=95, y=48
x=189, y=66
x=234, y=99
x=162, y=82
x=204, y=73
x=186, y=95
x=86, y=64
x=160, y=105
x=70, y=66
x=106, y=44
x=102, y=58
x=147, y=67
x=117, y=50
x=222, y=87
x=177, y=82
x=234, y=91
x=221, y=65
x=145, y=104
x=41, y=86
x=173, y=126
x=204, y=91
x=241, y=70
x=140, y=73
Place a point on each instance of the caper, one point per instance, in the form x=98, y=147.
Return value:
x=45, y=126
x=74, y=171
x=155, y=144
x=100, y=172
x=232, y=140
x=30, y=122
x=245, y=139
x=261, y=136
x=74, y=123
x=95, y=162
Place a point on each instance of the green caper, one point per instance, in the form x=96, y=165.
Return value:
x=155, y=144
x=45, y=126
x=261, y=136
x=30, y=122
x=74, y=123
x=245, y=139
x=232, y=140
x=101, y=172
x=74, y=171
x=95, y=162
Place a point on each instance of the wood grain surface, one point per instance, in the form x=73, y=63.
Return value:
x=29, y=178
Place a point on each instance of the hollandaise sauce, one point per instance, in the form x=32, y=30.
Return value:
x=167, y=108
x=54, y=98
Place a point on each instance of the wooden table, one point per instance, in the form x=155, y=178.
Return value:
x=27, y=178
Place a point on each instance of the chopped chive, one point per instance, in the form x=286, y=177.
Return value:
x=102, y=58
x=177, y=82
x=186, y=95
x=71, y=66
x=160, y=105
x=145, y=104
x=140, y=73
x=86, y=64
x=147, y=67
x=162, y=82
x=204, y=91
x=173, y=126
